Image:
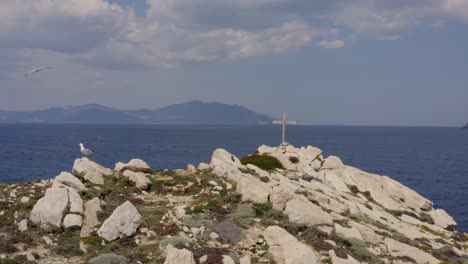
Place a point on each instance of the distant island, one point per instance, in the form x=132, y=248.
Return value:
x=189, y=113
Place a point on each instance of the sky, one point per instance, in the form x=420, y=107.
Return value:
x=334, y=62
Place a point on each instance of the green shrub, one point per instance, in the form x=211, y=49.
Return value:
x=176, y=241
x=243, y=215
x=264, y=162
x=109, y=258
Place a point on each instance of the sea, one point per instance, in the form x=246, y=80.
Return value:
x=431, y=160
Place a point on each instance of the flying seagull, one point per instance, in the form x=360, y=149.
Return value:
x=84, y=150
x=37, y=70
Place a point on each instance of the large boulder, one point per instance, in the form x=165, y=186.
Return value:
x=398, y=249
x=332, y=163
x=90, y=171
x=224, y=164
x=91, y=208
x=286, y=249
x=139, y=178
x=72, y=222
x=252, y=189
x=178, y=256
x=76, y=203
x=303, y=212
x=136, y=165
x=69, y=180
x=442, y=219
x=123, y=222
x=49, y=209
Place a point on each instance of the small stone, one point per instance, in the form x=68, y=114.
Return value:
x=2, y=213
x=195, y=231
x=214, y=236
x=83, y=247
x=228, y=260
x=213, y=183
x=228, y=186
x=23, y=225
x=203, y=259
x=47, y=240
x=260, y=241
x=25, y=199
x=186, y=229
x=30, y=257
x=144, y=230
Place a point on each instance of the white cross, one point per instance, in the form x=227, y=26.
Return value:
x=284, y=122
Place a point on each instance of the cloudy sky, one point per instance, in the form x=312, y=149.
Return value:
x=360, y=62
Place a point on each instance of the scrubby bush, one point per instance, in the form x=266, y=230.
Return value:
x=264, y=162
x=109, y=258
x=243, y=215
x=294, y=160
x=176, y=241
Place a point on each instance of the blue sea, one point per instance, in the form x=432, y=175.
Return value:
x=432, y=161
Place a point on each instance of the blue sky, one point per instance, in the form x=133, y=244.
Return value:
x=363, y=62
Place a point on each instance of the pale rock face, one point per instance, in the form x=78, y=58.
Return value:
x=72, y=222
x=304, y=212
x=139, y=178
x=90, y=171
x=258, y=170
x=442, y=219
x=136, y=165
x=252, y=189
x=244, y=260
x=368, y=235
x=50, y=208
x=76, y=203
x=25, y=199
x=279, y=198
x=179, y=212
x=332, y=163
x=316, y=164
x=203, y=166
x=91, y=208
x=69, y=180
x=178, y=256
x=191, y=168
x=123, y=222
x=224, y=164
x=337, y=260
x=345, y=232
x=398, y=249
x=228, y=260
x=333, y=180
x=23, y=225
x=286, y=249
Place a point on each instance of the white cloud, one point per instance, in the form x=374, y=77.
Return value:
x=174, y=32
x=332, y=44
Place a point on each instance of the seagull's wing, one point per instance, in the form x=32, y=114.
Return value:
x=37, y=70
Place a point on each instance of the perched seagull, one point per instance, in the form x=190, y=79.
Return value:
x=37, y=70
x=84, y=150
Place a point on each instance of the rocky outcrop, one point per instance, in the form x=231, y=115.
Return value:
x=139, y=178
x=253, y=190
x=136, y=165
x=332, y=163
x=286, y=249
x=123, y=222
x=90, y=171
x=69, y=180
x=49, y=209
x=178, y=256
x=303, y=212
x=91, y=208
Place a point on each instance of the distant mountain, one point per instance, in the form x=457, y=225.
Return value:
x=193, y=113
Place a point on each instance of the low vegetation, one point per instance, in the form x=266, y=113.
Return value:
x=264, y=162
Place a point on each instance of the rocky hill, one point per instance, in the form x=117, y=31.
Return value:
x=189, y=113
x=292, y=207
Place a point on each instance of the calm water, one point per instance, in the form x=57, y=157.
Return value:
x=432, y=161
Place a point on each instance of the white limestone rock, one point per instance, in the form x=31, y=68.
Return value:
x=123, y=222
x=191, y=169
x=139, y=178
x=397, y=249
x=69, y=180
x=178, y=256
x=72, y=222
x=91, y=208
x=442, y=219
x=203, y=166
x=23, y=225
x=345, y=232
x=252, y=189
x=224, y=164
x=332, y=163
x=25, y=199
x=76, y=203
x=286, y=249
x=90, y=171
x=136, y=165
x=244, y=260
x=303, y=212
x=49, y=209
x=228, y=260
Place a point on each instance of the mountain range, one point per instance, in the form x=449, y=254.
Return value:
x=189, y=113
